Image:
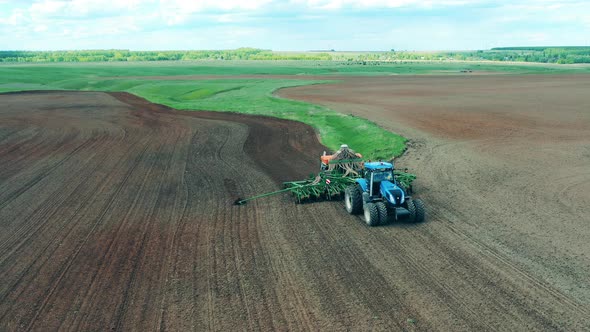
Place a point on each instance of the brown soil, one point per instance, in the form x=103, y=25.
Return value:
x=502, y=161
x=117, y=214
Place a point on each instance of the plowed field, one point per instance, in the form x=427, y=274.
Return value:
x=117, y=214
x=503, y=160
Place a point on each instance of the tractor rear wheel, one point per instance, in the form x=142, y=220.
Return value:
x=383, y=218
x=417, y=211
x=371, y=214
x=353, y=199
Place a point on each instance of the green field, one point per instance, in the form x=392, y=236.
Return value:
x=221, y=90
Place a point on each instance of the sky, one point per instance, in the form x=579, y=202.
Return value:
x=292, y=25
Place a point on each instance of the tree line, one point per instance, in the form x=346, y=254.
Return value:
x=126, y=55
x=561, y=55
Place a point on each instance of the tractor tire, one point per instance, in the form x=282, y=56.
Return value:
x=353, y=199
x=383, y=217
x=417, y=211
x=371, y=214
x=420, y=210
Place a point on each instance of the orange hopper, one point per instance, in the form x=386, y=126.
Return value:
x=326, y=159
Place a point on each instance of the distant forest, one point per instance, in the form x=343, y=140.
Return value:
x=561, y=55
x=126, y=55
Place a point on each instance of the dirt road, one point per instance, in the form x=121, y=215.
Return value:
x=117, y=214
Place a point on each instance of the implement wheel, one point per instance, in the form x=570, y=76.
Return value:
x=371, y=214
x=417, y=211
x=353, y=199
x=383, y=217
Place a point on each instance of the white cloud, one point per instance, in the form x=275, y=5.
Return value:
x=549, y=11
x=40, y=28
x=304, y=24
x=42, y=9
x=16, y=17
x=368, y=4
x=180, y=11
x=47, y=8
x=190, y=6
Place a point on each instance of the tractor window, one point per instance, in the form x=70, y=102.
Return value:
x=383, y=176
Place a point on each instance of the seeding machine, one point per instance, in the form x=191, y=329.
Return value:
x=375, y=188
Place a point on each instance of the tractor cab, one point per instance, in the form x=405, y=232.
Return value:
x=379, y=182
x=377, y=172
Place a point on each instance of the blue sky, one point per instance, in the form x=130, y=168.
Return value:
x=296, y=25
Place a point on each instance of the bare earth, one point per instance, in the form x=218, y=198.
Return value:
x=503, y=161
x=117, y=214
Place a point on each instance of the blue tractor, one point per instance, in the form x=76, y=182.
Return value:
x=379, y=195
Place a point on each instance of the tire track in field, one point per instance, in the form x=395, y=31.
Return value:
x=179, y=203
x=19, y=150
x=179, y=246
x=574, y=187
x=121, y=312
x=224, y=254
x=244, y=250
x=11, y=196
x=224, y=220
x=63, y=227
x=104, y=260
x=448, y=213
x=145, y=260
x=466, y=303
x=40, y=215
x=451, y=217
x=44, y=212
x=72, y=258
x=161, y=203
x=84, y=235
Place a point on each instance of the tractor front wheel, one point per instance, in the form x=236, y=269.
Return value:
x=353, y=199
x=383, y=218
x=417, y=211
x=371, y=214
